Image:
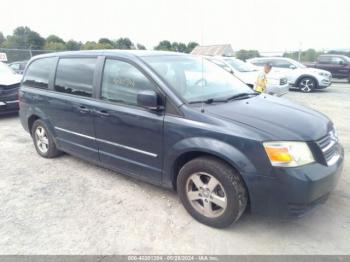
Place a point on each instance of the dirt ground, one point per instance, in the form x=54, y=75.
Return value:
x=68, y=206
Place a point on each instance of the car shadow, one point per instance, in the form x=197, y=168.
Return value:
x=9, y=116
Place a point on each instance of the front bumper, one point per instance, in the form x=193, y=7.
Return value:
x=7, y=107
x=325, y=82
x=292, y=191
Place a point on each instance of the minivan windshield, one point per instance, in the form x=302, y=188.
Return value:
x=196, y=79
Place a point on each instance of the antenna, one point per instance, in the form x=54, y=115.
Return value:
x=202, y=107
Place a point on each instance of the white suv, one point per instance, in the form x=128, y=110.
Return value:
x=277, y=83
x=299, y=76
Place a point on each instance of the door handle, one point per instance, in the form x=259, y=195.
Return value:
x=83, y=109
x=102, y=113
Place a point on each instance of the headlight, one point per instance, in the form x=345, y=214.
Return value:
x=288, y=154
x=323, y=74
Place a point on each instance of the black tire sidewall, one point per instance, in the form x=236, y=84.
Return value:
x=223, y=173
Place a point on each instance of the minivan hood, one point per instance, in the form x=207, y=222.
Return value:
x=278, y=118
x=9, y=79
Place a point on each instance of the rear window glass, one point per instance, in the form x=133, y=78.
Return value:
x=75, y=76
x=38, y=73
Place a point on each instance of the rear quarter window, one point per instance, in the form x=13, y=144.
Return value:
x=38, y=73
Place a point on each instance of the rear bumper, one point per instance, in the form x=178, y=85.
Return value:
x=293, y=191
x=7, y=107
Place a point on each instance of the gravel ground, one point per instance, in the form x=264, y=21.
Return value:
x=68, y=206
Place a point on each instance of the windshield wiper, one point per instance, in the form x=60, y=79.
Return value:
x=215, y=100
x=242, y=96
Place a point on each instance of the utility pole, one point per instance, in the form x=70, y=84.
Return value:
x=299, y=53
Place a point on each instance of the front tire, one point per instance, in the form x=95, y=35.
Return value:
x=43, y=140
x=307, y=84
x=212, y=191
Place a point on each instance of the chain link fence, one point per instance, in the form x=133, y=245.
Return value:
x=22, y=54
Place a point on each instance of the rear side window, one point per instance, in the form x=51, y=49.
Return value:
x=75, y=76
x=38, y=73
x=337, y=60
x=280, y=63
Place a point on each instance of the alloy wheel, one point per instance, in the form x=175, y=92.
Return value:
x=41, y=140
x=206, y=194
x=307, y=85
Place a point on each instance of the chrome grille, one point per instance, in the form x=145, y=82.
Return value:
x=329, y=147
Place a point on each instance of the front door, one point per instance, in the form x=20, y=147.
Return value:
x=129, y=137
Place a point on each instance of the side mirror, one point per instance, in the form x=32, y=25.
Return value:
x=150, y=100
x=292, y=67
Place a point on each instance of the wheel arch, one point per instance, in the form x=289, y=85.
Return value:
x=183, y=152
x=31, y=121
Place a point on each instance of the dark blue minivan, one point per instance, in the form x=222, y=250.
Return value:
x=182, y=122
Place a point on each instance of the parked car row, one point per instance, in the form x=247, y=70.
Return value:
x=18, y=66
x=182, y=122
x=277, y=83
x=299, y=76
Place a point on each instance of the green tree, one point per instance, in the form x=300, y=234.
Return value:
x=246, y=54
x=164, y=45
x=140, y=47
x=54, y=39
x=106, y=41
x=24, y=38
x=309, y=55
x=181, y=47
x=2, y=38
x=191, y=46
x=92, y=45
x=124, y=43
x=55, y=46
x=73, y=45
x=337, y=52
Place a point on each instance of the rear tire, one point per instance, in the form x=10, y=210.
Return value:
x=307, y=84
x=43, y=140
x=212, y=191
